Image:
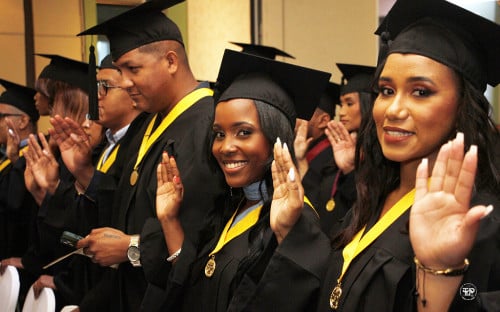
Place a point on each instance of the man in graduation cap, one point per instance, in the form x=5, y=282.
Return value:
x=321, y=176
x=148, y=49
x=18, y=117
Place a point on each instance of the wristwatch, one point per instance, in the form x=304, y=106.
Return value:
x=133, y=252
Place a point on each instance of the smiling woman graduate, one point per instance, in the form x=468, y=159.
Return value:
x=411, y=243
x=257, y=100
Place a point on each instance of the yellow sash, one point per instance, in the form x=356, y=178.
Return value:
x=6, y=162
x=247, y=222
x=103, y=166
x=231, y=232
x=358, y=243
x=186, y=102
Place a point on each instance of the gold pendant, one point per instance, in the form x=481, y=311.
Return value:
x=330, y=205
x=133, y=177
x=335, y=296
x=210, y=266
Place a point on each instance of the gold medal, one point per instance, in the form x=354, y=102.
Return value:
x=330, y=205
x=335, y=296
x=210, y=267
x=133, y=177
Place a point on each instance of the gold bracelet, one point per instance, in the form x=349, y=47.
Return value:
x=444, y=272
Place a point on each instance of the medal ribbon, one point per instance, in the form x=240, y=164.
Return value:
x=6, y=162
x=103, y=166
x=358, y=243
x=247, y=222
x=335, y=182
x=229, y=233
x=318, y=148
x=186, y=102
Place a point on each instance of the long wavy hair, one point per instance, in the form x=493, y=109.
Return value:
x=377, y=176
x=70, y=101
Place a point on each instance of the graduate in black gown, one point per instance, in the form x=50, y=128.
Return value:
x=118, y=114
x=67, y=80
x=148, y=49
x=315, y=154
x=18, y=208
x=411, y=243
x=257, y=106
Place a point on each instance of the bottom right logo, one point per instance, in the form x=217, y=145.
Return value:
x=468, y=291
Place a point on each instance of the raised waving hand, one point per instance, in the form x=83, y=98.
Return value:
x=288, y=196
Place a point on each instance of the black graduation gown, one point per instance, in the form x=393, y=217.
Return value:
x=80, y=215
x=187, y=140
x=18, y=210
x=382, y=277
x=318, y=182
x=262, y=287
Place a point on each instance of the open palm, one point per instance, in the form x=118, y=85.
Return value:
x=288, y=196
x=343, y=144
x=442, y=224
x=169, y=191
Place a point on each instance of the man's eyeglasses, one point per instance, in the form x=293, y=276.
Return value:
x=3, y=115
x=103, y=86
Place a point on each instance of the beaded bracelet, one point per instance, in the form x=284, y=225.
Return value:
x=444, y=272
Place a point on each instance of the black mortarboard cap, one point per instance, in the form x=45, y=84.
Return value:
x=356, y=78
x=138, y=26
x=262, y=50
x=449, y=34
x=330, y=98
x=21, y=97
x=107, y=62
x=292, y=89
x=67, y=70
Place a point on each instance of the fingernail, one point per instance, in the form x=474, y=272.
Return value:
x=176, y=179
x=460, y=136
x=278, y=140
x=487, y=211
x=285, y=147
x=11, y=132
x=291, y=175
x=424, y=161
x=473, y=149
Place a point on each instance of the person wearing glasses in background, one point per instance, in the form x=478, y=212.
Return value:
x=68, y=81
x=121, y=119
x=18, y=209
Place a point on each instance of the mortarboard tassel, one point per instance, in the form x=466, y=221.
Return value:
x=93, y=104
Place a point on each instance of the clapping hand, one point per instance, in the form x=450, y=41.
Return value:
x=13, y=141
x=75, y=148
x=43, y=165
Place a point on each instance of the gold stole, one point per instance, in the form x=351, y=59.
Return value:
x=360, y=242
x=150, y=138
x=103, y=166
x=6, y=162
x=230, y=233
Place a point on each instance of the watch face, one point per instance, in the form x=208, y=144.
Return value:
x=133, y=253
